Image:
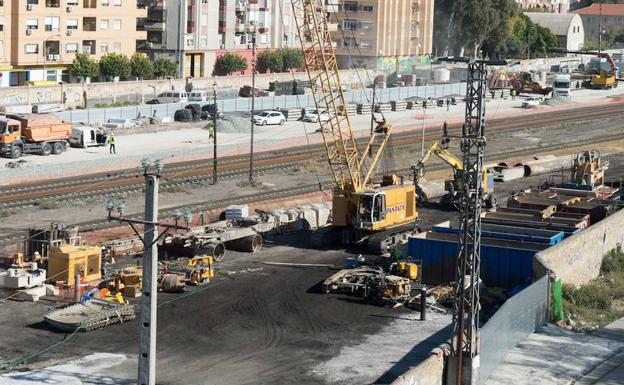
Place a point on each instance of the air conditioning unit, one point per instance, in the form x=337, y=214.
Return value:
x=50, y=58
x=28, y=31
x=69, y=9
x=69, y=32
x=56, y=57
x=29, y=7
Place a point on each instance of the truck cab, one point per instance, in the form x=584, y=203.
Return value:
x=562, y=87
x=11, y=130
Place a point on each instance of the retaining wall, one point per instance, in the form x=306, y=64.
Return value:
x=428, y=372
x=577, y=259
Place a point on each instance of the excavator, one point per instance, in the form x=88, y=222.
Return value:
x=375, y=214
x=453, y=186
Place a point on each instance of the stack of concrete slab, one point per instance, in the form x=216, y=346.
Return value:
x=383, y=107
x=291, y=114
x=398, y=105
x=364, y=108
x=236, y=212
x=350, y=108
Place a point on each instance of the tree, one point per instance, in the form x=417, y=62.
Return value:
x=164, y=67
x=84, y=66
x=271, y=60
x=141, y=66
x=231, y=62
x=291, y=58
x=114, y=65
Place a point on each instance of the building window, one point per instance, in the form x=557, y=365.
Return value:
x=89, y=3
x=351, y=6
x=366, y=25
x=32, y=24
x=51, y=75
x=366, y=44
x=367, y=8
x=103, y=24
x=104, y=3
x=1, y=49
x=116, y=46
x=72, y=2
x=32, y=2
x=116, y=24
x=52, y=23
x=1, y=3
x=71, y=47
x=348, y=24
x=117, y=3
x=1, y=27
x=31, y=48
x=104, y=47
x=72, y=24
x=88, y=46
x=53, y=3
x=88, y=23
x=350, y=42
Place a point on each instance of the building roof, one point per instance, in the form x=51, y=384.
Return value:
x=558, y=23
x=604, y=9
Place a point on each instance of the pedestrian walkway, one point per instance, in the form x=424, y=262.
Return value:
x=611, y=371
x=555, y=356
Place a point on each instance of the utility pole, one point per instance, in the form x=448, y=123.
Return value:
x=149, y=238
x=600, y=28
x=253, y=99
x=215, y=112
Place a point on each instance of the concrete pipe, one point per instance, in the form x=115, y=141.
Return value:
x=510, y=174
x=172, y=283
x=215, y=250
x=249, y=244
x=545, y=166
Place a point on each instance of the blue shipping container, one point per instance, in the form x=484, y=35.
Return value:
x=501, y=266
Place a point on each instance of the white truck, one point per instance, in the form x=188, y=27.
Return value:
x=87, y=137
x=562, y=86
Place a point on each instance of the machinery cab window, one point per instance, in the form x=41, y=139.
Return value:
x=372, y=208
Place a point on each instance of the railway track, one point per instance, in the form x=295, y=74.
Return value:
x=196, y=172
x=311, y=188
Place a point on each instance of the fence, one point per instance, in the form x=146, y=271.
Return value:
x=93, y=116
x=511, y=324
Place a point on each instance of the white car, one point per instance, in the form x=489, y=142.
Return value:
x=312, y=116
x=122, y=123
x=87, y=137
x=269, y=117
x=531, y=102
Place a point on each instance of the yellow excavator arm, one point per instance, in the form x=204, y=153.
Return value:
x=440, y=149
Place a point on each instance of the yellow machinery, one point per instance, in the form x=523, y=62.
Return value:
x=453, y=186
x=362, y=211
x=589, y=169
x=68, y=260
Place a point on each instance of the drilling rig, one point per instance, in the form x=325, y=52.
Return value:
x=373, y=213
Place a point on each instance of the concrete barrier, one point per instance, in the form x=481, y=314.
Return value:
x=428, y=372
x=577, y=259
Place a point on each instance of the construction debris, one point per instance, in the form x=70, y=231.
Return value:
x=299, y=264
x=89, y=315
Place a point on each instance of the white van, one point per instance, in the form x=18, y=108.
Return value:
x=173, y=97
x=198, y=96
x=87, y=137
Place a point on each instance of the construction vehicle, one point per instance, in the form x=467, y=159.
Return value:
x=370, y=283
x=601, y=78
x=562, y=86
x=42, y=134
x=588, y=169
x=523, y=82
x=453, y=186
x=378, y=213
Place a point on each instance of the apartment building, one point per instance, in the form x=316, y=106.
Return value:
x=554, y=6
x=40, y=38
x=196, y=32
x=606, y=17
x=381, y=33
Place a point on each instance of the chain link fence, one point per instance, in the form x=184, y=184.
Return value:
x=384, y=95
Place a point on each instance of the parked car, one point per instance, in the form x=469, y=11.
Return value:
x=152, y=101
x=198, y=96
x=269, y=117
x=122, y=123
x=313, y=116
x=173, y=97
x=87, y=137
x=531, y=102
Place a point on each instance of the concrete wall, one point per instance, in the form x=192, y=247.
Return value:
x=134, y=89
x=577, y=259
x=428, y=372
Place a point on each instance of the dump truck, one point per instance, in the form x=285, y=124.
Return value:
x=42, y=134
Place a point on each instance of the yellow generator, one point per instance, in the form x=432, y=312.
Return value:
x=68, y=260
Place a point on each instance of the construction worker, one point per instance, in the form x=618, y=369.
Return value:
x=513, y=94
x=111, y=144
x=210, y=129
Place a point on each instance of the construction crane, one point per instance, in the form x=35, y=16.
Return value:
x=466, y=344
x=453, y=186
x=377, y=214
x=600, y=78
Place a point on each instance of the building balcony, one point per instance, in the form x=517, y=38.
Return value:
x=241, y=6
x=150, y=25
x=158, y=5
